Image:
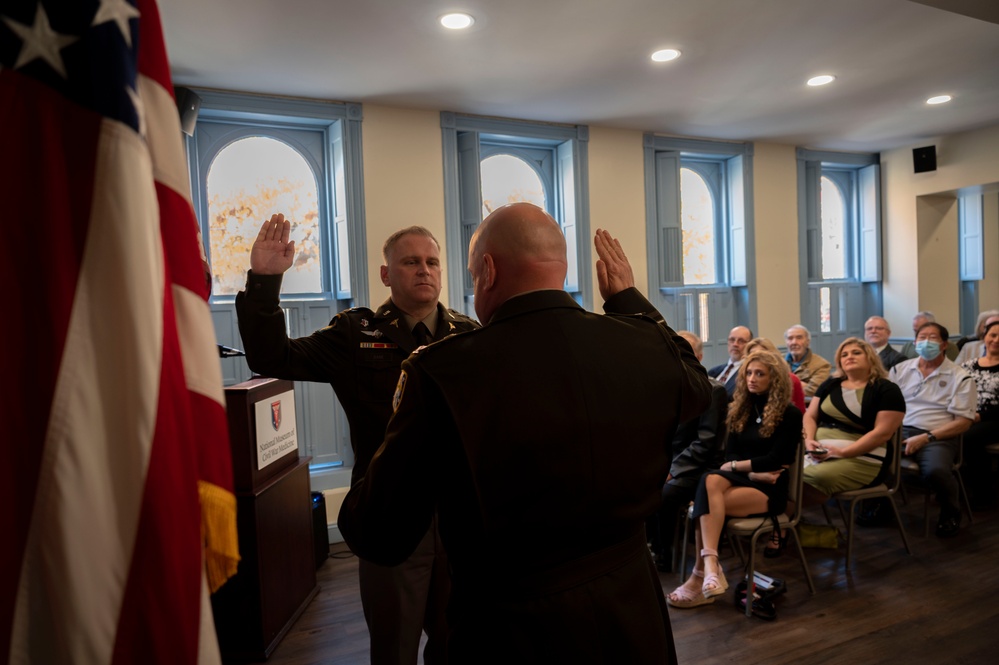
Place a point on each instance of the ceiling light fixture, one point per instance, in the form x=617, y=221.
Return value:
x=665, y=55
x=821, y=80
x=456, y=21
x=939, y=99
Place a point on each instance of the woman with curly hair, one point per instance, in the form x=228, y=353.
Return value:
x=764, y=433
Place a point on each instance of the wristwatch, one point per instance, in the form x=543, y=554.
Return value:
x=930, y=437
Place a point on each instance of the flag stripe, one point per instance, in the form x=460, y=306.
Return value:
x=103, y=414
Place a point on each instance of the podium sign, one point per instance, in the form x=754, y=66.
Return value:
x=276, y=432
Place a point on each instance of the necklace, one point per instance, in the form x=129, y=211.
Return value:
x=759, y=417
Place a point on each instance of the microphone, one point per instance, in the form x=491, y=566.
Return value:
x=229, y=352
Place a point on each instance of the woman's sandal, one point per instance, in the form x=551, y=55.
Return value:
x=715, y=584
x=775, y=545
x=684, y=598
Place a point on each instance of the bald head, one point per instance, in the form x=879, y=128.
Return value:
x=518, y=248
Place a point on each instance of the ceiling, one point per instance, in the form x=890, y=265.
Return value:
x=741, y=76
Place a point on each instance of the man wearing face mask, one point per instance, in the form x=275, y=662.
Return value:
x=941, y=399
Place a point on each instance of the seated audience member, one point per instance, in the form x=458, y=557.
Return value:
x=503, y=446
x=909, y=349
x=797, y=391
x=697, y=448
x=876, y=332
x=852, y=417
x=975, y=348
x=811, y=368
x=979, y=333
x=985, y=429
x=940, y=400
x=725, y=373
x=764, y=430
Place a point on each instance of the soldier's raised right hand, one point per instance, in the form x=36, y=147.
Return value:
x=272, y=252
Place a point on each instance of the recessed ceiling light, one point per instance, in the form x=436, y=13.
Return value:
x=456, y=21
x=665, y=55
x=939, y=99
x=821, y=80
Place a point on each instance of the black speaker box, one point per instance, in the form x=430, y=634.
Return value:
x=321, y=536
x=924, y=159
x=188, y=105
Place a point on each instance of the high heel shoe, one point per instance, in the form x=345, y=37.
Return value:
x=715, y=584
x=776, y=544
x=684, y=598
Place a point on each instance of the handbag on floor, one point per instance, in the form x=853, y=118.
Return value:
x=818, y=535
x=766, y=591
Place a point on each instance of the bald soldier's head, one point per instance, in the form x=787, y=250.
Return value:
x=517, y=248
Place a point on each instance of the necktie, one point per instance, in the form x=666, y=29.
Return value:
x=422, y=334
x=723, y=377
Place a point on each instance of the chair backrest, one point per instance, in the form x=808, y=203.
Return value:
x=796, y=479
x=894, y=455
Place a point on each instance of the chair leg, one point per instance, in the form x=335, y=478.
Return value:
x=963, y=497
x=804, y=562
x=898, y=521
x=682, y=572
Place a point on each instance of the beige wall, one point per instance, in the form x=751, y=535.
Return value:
x=775, y=197
x=617, y=198
x=920, y=234
x=403, y=181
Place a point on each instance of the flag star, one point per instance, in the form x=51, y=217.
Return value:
x=140, y=109
x=40, y=41
x=118, y=11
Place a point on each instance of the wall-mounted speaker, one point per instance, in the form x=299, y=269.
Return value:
x=188, y=105
x=924, y=159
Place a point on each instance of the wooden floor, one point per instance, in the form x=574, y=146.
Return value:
x=940, y=605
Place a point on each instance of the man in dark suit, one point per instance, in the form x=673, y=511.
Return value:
x=877, y=332
x=725, y=373
x=359, y=354
x=541, y=439
x=698, y=445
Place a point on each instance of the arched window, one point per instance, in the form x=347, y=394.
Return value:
x=833, y=215
x=248, y=180
x=697, y=221
x=509, y=179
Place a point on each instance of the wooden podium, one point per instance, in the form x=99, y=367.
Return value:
x=276, y=577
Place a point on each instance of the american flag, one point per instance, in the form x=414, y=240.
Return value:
x=118, y=517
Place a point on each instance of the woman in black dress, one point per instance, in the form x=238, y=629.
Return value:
x=764, y=433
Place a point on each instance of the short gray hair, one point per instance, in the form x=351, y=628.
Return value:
x=798, y=326
x=409, y=230
x=695, y=342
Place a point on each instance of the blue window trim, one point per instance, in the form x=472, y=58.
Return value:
x=245, y=112
x=512, y=132
x=719, y=152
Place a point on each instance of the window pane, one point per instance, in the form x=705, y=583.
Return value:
x=509, y=179
x=833, y=231
x=697, y=221
x=248, y=181
x=825, y=324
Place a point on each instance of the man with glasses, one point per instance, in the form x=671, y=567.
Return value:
x=876, y=333
x=725, y=373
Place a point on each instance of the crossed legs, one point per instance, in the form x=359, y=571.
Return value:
x=724, y=499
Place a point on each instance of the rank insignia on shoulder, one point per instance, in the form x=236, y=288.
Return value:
x=399, y=389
